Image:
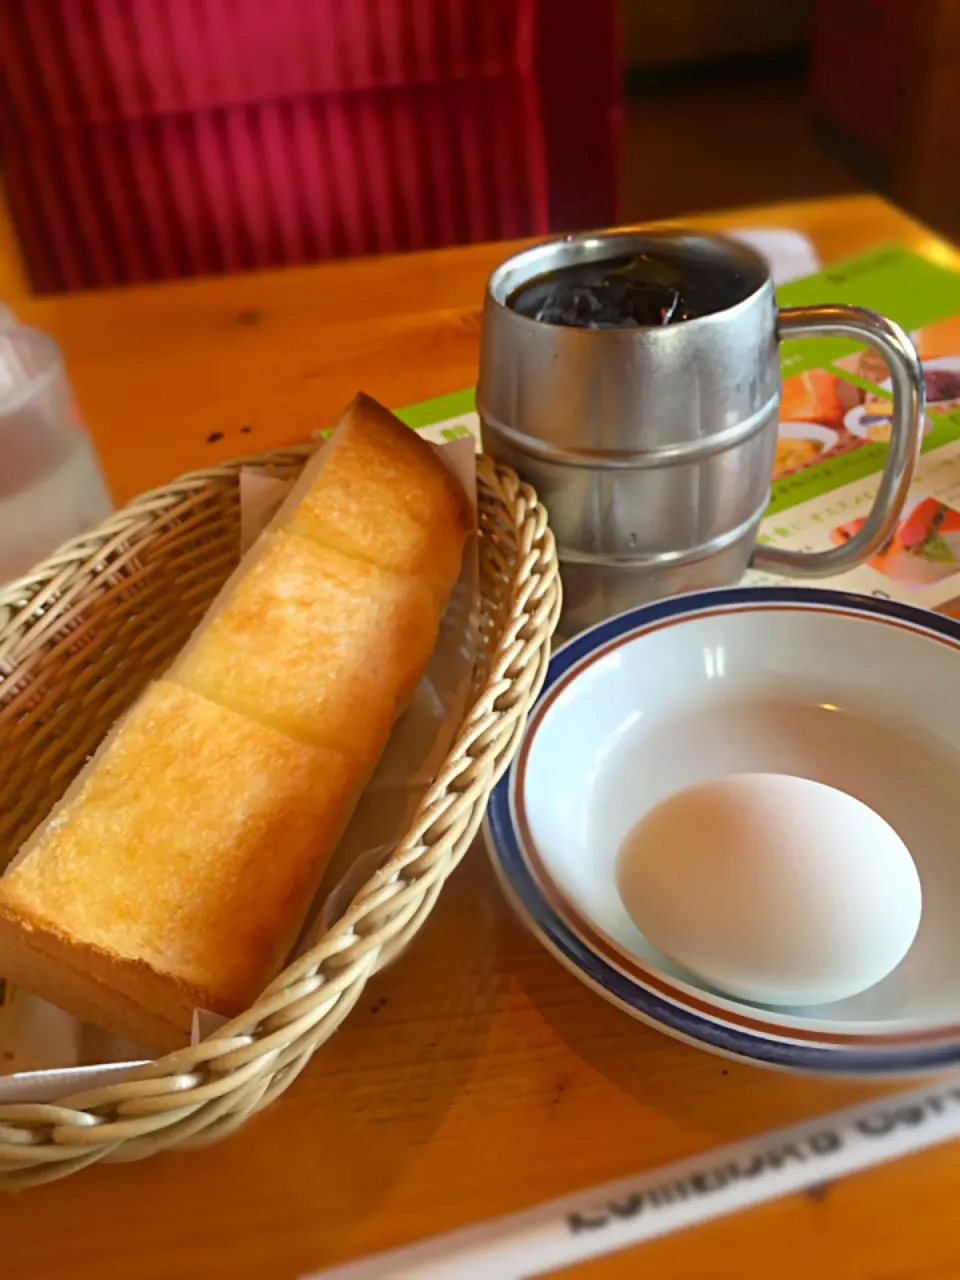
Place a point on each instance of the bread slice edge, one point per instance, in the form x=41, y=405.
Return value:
x=93, y=983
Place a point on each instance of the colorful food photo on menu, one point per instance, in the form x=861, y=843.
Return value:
x=814, y=396
x=871, y=419
x=939, y=339
x=924, y=549
x=938, y=346
x=799, y=444
x=811, y=421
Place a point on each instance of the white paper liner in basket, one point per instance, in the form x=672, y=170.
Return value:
x=45, y=1052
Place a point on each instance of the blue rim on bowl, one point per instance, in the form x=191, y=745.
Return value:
x=627, y=982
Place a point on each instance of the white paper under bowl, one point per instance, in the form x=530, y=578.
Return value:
x=861, y=694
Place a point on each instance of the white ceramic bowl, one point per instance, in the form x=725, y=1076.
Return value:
x=859, y=693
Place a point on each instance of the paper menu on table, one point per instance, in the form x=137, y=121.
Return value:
x=921, y=563
x=789, y=254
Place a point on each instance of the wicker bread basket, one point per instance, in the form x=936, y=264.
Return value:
x=79, y=638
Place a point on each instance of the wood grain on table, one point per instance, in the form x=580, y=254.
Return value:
x=477, y=1076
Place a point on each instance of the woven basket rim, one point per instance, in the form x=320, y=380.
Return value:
x=202, y=1092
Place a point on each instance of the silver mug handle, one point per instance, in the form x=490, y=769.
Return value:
x=898, y=353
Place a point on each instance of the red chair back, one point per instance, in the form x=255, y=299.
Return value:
x=146, y=139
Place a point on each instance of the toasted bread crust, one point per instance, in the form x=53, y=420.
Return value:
x=373, y=460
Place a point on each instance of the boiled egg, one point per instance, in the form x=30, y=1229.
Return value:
x=774, y=889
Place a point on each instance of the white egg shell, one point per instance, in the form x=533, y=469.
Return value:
x=775, y=889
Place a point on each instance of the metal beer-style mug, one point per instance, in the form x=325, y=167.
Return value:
x=653, y=446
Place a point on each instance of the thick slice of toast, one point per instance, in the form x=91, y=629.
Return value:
x=177, y=872
x=178, y=868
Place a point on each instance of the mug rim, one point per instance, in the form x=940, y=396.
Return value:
x=592, y=245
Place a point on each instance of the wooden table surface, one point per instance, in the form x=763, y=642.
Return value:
x=477, y=1076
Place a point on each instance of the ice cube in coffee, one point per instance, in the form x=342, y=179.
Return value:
x=631, y=291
